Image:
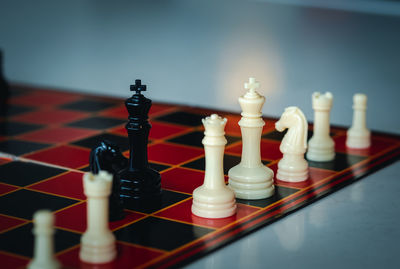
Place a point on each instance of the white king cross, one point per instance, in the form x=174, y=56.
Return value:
x=252, y=85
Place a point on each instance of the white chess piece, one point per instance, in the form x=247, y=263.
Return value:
x=214, y=199
x=98, y=242
x=43, y=257
x=293, y=167
x=321, y=147
x=251, y=179
x=358, y=136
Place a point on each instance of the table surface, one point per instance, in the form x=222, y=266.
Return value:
x=355, y=227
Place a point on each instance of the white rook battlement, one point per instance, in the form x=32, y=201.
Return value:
x=322, y=101
x=97, y=185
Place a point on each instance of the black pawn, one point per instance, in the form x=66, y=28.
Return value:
x=138, y=181
x=107, y=156
x=4, y=88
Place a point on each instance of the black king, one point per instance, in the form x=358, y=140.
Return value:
x=138, y=180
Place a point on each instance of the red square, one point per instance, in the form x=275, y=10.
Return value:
x=56, y=116
x=11, y=262
x=378, y=144
x=161, y=130
x=182, y=179
x=68, y=184
x=183, y=212
x=129, y=256
x=44, y=98
x=57, y=135
x=74, y=218
x=4, y=188
x=269, y=150
x=67, y=156
x=158, y=109
x=172, y=154
x=315, y=175
x=116, y=112
x=7, y=223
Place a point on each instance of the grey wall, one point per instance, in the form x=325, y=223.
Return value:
x=201, y=53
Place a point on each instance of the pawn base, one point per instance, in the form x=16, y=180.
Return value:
x=251, y=183
x=358, y=140
x=213, y=204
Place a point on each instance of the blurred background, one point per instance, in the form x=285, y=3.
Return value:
x=201, y=52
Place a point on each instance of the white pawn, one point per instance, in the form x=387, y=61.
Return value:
x=293, y=167
x=251, y=179
x=321, y=147
x=98, y=242
x=214, y=199
x=44, y=250
x=358, y=136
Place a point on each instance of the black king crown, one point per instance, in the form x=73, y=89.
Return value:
x=138, y=180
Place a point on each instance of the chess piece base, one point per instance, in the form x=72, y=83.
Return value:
x=98, y=249
x=321, y=150
x=44, y=265
x=213, y=204
x=251, y=183
x=293, y=168
x=358, y=139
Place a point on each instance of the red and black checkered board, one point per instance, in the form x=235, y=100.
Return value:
x=60, y=128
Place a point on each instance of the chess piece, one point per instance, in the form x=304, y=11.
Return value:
x=108, y=157
x=214, y=199
x=138, y=180
x=358, y=136
x=250, y=179
x=321, y=147
x=98, y=242
x=293, y=167
x=43, y=257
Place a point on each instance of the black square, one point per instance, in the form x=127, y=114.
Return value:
x=12, y=110
x=121, y=141
x=9, y=128
x=23, y=203
x=275, y=135
x=341, y=162
x=229, y=162
x=19, y=147
x=21, y=240
x=195, y=138
x=159, y=167
x=167, y=198
x=160, y=233
x=88, y=105
x=280, y=193
x=26, y=173
x=98, y=123
x=183, y=118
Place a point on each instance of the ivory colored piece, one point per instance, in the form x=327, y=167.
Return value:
x=251, y=179
x=43, y=257
x=293, y=167
x=98, y=242
x=358, y=136
x=214, y=199
x=321, y=147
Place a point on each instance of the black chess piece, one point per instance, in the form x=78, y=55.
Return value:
x=138, y=181
x=4, y=88
x=107, y=156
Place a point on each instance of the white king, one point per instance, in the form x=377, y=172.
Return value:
x=250, y=179
x=321, y=147
x=214, y=199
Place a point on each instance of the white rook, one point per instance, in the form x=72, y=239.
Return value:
x=214, y=199
x=43, y=257
x=250, y=179
x=358, y=136
x=321, y=147
x=98, y=242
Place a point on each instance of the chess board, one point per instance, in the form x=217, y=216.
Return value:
x=45, y=140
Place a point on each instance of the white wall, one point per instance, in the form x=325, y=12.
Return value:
x=201, y=53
